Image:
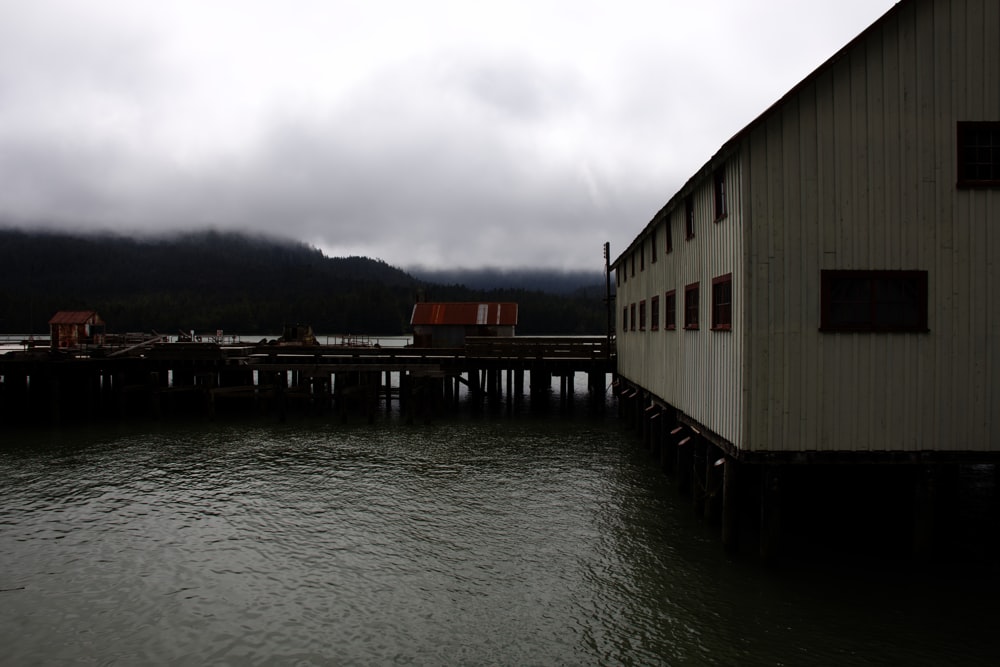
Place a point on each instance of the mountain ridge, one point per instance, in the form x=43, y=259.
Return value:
x=250, y=283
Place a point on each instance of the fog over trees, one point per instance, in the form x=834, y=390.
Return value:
x=254, y=285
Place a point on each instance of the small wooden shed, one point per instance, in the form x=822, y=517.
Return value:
x=73, y=328
x=447, y=324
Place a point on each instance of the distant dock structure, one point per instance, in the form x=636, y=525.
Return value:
x=807, y=329
x=158, y=377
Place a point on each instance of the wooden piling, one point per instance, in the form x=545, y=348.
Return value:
x=770, y=513
x=730, y=504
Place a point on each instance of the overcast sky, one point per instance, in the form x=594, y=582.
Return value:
x=434, y=133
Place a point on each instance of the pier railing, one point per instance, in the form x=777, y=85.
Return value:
x=540, y=347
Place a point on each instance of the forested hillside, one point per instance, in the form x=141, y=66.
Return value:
x=239, y=283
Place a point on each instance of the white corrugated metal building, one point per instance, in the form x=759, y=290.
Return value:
x=829, y=281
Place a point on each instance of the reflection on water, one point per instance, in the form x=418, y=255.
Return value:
x=472, y=541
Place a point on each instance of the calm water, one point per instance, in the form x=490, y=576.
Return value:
x=473, y=541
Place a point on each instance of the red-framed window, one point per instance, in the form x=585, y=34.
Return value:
x=978, y=154
x=722, y=303
x=873, y=301
x=689, y=217
x=719, y=193
x=642, y=315
x=670, y=310
x=691, y=306
x=654, y=313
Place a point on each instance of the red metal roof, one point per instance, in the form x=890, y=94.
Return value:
x=465, y=314
x=74, y=317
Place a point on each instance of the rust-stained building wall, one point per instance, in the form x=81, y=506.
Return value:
x=73, y=328
x=448, y=324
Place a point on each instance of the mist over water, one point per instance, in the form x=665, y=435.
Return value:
x=523, y=541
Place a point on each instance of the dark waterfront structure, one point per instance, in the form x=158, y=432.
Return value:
x=449, y=324
x=159, y=379
x=73, y=328
x=807, y=327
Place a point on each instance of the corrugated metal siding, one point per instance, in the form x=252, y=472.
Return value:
x=699, y=372
x=857, y=170
x=457, y=313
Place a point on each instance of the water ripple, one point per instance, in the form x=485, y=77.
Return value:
x=460, y=543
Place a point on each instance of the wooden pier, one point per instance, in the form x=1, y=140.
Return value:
x=161, y=378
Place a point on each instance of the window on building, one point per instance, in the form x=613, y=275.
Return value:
x=877, y=301
x=632, y=317
x=652, y=246
x=722, y=303
x=642, y=255
x=642, y=315
x=979, y=154
x=670, y=241
x=625, y=318
x=719, y=192
x=691, y=306
x=654, y=313
x=689, y=217
x=670, y=310
x=632, y=259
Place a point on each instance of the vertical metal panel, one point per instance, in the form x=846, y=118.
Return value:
x=699, y=372
x=856, y=170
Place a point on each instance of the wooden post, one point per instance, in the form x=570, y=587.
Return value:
x=770, y=513
x=510, y=390
x=280, y=397
x=645, y=424
x=656, y=433
x=730, y=504
x=684, y=458
x=699, y=487
x=924, y=510
x=713, y=483
x=388, y=391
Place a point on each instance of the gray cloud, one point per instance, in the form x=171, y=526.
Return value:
x=453, y=154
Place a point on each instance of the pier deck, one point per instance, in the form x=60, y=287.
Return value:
x=162, y=377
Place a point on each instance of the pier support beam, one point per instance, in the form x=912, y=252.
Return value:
x=770, y=513
x=730, y=504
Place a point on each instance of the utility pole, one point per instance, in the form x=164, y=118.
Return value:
x=607, y=291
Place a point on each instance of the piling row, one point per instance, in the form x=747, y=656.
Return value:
x=915, y=507
x=172, y=381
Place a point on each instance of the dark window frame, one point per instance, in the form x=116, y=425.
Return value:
x=652, y=246
x=689, y=217
x=625, y=318
x=691, y=306
x=722, y=303
x=642, y=255
x=978, y=154
x=642, y=315
x=670, y=240
x=632, y=317
x=862, y=301
x=719, y=194
x=670, y=310
x=654, y=313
